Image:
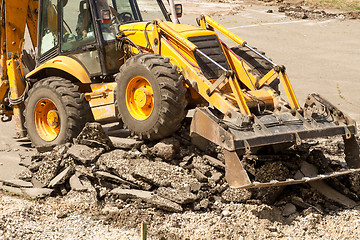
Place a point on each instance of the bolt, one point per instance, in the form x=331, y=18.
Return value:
x=13, y=43
x=222, y=138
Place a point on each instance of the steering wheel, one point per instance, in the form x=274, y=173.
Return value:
x=122, y=17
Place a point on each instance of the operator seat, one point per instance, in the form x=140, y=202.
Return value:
x=83, y=25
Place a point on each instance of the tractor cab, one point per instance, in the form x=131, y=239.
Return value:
x=85, y=30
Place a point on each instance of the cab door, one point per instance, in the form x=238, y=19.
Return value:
x=66, y=27
x=78, y=35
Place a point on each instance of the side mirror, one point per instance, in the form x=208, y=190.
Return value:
x=105, y=16
x=178, y=10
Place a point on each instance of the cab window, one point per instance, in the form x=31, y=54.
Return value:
x=77, y=28
x=48, y=26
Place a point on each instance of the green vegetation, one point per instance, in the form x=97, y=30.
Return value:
x=341, y=4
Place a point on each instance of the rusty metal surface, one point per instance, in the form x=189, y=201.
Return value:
x=204, y=124
x=235, y=173
x=352, y=152
x=305, y=179
x=308, y=169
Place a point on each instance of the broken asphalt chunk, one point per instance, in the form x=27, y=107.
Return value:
x=215, y=162
x=62, y=177
x=198, y=175
x=36, y=193
x=126, y=143
x=76, y=184
x=85, y=154
x=309, y=170
x=149, y=197
x=92, y=133
x=175, y=195
x=289, y=209
x=17, y=183
x=13, y=190
x=166, y=148
x=113, y=178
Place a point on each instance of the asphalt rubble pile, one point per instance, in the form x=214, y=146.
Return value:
x=303, y=13
x=173, y=174
x=309, y=10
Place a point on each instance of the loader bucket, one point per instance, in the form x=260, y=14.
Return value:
x=317, y=119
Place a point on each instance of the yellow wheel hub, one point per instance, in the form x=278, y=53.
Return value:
x=139, y=98
x=47, y=120
x=53, y=119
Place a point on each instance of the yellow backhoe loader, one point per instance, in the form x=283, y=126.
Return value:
x=132, y=61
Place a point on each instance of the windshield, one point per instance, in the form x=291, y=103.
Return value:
x=127, y=11
x=140, y=10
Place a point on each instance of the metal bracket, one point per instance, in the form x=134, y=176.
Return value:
x=297, y=139
x=235, y=173
x=212, y=88
x=205, y=125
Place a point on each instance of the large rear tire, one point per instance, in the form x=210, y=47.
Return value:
x=150, y=96
x=55, y=112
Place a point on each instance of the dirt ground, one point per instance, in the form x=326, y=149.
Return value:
x=298, y=213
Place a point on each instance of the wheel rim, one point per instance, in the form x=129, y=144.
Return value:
x=47, y=120
x=139, y=98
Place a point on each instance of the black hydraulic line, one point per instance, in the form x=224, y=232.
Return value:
x=147, y=37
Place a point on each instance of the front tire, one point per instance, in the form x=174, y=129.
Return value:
x=150, y=96
x=55, y=112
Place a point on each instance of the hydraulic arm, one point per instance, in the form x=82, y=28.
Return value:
x=250, y=113
x=15, y=15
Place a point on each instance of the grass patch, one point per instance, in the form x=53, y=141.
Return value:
x=340, y=4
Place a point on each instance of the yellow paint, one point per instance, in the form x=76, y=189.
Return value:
x=195, y=78
x=244, y=109
x=289, y=91
x=47, y=121
x=53, y=119
x=32, y=20
x=104, y=112
x=17, y=88
x=268, y=78
x=242, y=73
x=100, y=87
x=63, y=63
x=3, y=88
x=177, y=35
x=15, y=25
x=208, y=21
x=241, y=69
x=252, y=98
x=102, y=100
x=139, y=98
